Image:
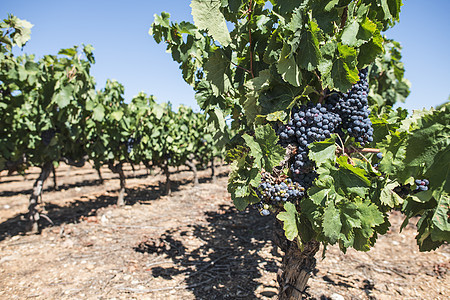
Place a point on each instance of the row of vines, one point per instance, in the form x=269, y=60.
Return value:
x=52, y=113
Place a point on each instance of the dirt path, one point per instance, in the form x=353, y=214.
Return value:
x=191, y=245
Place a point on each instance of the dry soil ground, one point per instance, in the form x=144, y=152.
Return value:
x=192, y=244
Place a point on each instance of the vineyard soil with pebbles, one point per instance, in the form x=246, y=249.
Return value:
x=192, y=244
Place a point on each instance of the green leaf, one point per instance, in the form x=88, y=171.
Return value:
x=207, y=15
x=217, y=68
x=71, y=52
x=272, y=153
x=240, y=203
x=276, y=116
x=287, y=6
x=309, y=54
x=441, y=215
x=290, y=220
x=320, y=195
x=98, y=113
x=117, y=115
x=371, y=216
x=344, y=72
x=349, y=34
x=287, y=67
x=389, y=197
x=320, y=152
x=255, y=149
x=332, y=223
x=63, y=97
x=350, y=179
x=23, y=31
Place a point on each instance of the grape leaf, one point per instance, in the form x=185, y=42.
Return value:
x=332, y=223
x=217, y=68
x=320, y=152
x=389, y=197
x=343, y=73
x=289, y=217
x=309, y=54
x=288, y=67
x=63, y=97
x=207, y=15
x=272, y=153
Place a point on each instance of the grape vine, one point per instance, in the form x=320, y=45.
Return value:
x=309, y=86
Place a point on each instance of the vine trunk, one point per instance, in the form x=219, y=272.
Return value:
x=33, y=213
x=193, y=167
x=213, y=171
x=296, y=267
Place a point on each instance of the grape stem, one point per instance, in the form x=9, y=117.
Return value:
x=240, y=67
x=322, y=91
x=365, y=158
x=342, y=144
x=344, y=17
x=250, y=10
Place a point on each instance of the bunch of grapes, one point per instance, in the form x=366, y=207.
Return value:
x=354, y=109
x=309, y=123
x=275, y=194
x=316, y=122
x=304, y=179
x=131, y=142
x=422, y=184
x=47, y=136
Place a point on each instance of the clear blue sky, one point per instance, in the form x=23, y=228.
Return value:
x=124, y=51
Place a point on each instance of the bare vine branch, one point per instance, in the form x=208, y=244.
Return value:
x=250, y=10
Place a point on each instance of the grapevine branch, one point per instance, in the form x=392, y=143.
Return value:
x=365, y=158
x=344, y=17
x=363, y=150
x=250, y=10
x=240, y=67
x=322, y=90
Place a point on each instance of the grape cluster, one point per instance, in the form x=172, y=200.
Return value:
x=316, y=122
x=422, y=184
x=47, y=136
x=131, y=142
x=305, y=179
x=405, y=190
x=271, y=193
x=309, y=123
x=354, y=110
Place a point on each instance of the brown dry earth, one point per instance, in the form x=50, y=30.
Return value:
x=192, y=244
